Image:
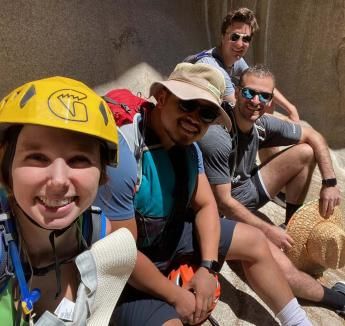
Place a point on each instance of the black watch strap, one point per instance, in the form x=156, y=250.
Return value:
x=329, y=182
x=212, y=265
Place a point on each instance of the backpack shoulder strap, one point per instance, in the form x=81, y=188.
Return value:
x=193, y=58
x=136, y=141
x=260, y=129
x=112, y=101
x=93, y=225
x=219, y=59
x=6, y=268
x=28, y=297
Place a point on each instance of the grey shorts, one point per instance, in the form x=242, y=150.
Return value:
x=138, y=308
x=252, y=193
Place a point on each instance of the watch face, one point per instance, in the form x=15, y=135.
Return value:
x=329, y=182
x=215, y=266
x=211, y=265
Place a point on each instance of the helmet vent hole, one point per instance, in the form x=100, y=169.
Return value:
x=104, y=113
x=27, y=96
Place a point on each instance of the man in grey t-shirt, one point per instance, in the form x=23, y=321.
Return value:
x=240, y=186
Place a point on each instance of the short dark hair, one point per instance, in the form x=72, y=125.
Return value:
x=258, y=70
x=241, y=15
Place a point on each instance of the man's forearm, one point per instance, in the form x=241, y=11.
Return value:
x=321, y=152
x=283, y=102
x=147, y=278
x=208, y=233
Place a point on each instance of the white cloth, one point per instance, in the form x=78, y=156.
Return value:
x=104, y=271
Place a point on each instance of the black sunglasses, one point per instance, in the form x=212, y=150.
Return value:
x=206, y=113
x=234, y=37
x=249, y=94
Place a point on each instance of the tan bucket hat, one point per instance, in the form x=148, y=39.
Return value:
x=197, y=81
x=319, y=242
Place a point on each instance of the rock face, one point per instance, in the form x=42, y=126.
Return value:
x=128, y=43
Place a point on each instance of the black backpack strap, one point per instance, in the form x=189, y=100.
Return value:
x=218, y=58
x=193, y=58
x=6, y=267
x=112, y=101
x=165, y=245
x=179, y=158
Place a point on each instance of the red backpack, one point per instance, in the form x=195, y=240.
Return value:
x=128, y=109
x=124, y=105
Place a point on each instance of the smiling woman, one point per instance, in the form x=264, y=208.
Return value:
x=57, y=136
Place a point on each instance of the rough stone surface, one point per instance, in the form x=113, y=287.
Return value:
x=131, y=43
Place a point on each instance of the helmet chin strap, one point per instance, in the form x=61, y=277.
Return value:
x=57, y=263
x=54, y=234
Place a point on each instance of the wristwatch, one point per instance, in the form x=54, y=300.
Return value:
x=329, y=182
x=212, y=265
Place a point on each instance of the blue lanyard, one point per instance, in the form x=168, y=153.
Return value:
x=27, y=297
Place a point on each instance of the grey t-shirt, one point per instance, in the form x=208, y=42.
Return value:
x=219, y=153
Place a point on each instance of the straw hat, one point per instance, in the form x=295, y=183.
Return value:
x=319, y=242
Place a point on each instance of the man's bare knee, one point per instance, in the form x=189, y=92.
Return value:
x=289, y=270
x=306, y=153
x=248, y=244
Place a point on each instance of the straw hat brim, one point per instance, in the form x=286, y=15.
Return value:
x=300, y=227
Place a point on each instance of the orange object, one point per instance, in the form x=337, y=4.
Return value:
x=184, y=273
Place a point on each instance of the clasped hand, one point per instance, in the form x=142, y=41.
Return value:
x=196, y=300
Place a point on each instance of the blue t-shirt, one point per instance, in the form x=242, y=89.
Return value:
x=231, y=75
x=117, y=197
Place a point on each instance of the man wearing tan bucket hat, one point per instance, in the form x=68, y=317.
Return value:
x=175, y=215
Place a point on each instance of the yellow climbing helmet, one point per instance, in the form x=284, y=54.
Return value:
x=61, y=102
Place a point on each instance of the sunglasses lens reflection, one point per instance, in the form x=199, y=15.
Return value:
x=245, y=38
x=249, y=94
